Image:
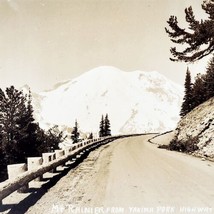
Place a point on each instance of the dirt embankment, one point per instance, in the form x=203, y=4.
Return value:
x=198, y=127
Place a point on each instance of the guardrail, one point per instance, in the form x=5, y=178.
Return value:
x=19, y=175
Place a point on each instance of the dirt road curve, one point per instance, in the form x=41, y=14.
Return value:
x=133, y=176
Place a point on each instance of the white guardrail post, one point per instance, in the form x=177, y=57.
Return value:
x=59, y=153
x=15, y=170
x=67, y=150
x=34, y=163
x=48, y=157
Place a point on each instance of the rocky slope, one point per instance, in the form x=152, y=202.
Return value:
x=198, y=126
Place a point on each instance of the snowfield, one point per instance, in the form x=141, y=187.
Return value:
x=128, y=175
x=136, y=101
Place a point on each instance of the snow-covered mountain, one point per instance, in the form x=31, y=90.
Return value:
x=135, y=101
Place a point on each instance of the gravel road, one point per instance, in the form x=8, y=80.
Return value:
x=131, y=175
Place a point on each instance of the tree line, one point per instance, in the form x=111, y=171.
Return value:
x=21, y=137
x=104, y=129
x=198, y=42
x=200, y=91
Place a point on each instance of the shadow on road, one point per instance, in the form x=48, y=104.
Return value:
x=37, y=193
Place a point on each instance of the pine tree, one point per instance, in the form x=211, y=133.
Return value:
x=198, y=91
x=20, y=136
x=187, y=100
x=107, y=130
x=52, y=139
x=198, y=39
x=47, y=141
x=28, y=144
x=90, y=136
x=40, y=140
x=12, y=113
x=3, y=164
x=15, y=119
x=209, y=79
x=75, y=133
x=101, y=132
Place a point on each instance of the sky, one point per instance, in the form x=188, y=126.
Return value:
x=43, y=42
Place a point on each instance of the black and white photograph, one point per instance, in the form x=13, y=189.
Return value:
x=107, y=106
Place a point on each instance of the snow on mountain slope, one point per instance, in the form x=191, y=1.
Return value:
x=135, y=101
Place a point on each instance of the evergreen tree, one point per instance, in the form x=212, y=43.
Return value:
x=39, y=138
x=198, y=38
x=75, y=133
x=28, y=144
x=209, y=79
x=20, y=136
x=107, y=130
x=52, y=139
x=15, y=119
x=198, y=91
x=101, y=132
x=13, y=129
x=47, y=141
x=187, y=100
x=3, y=164
x=90, y=136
